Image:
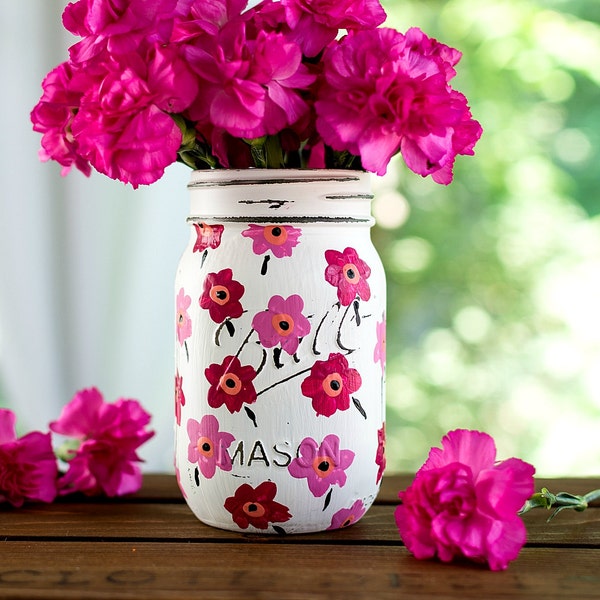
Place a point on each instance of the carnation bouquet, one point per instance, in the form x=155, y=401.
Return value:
x=283, y=84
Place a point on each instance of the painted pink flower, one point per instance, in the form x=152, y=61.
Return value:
x=231, y=384
x=282, y=323
x=463, y=502
x=330, y=384
x=183, y=321
x=208, y=446
x=221, y=296
x=380, y=347
x=179, y=397
x=385, y=92
x=207, y=236
x=28, y=468
x=109, y=435
x=349, y=274
x=347, y=516
x=321, y=465
x=279, y=239
x=380, y=455
x=315, y=23
x=256, y=506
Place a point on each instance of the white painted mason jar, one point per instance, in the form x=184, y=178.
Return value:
x=280, y=351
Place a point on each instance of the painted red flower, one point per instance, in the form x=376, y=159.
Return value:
x=257, y=506
x=330, y=384
x=279, y=239
x=347, y=516
x=321, y=465
x=207, y=236
x=221, y=296
x=349, y=274
x=380, y=456
x=179, y=397
x=231, y=384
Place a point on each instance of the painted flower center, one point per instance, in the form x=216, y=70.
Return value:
x=283, y=324
x=348, y=521
x=351, y=274
x=219, y=294
x=231, y=384
x=254, y=509
x=333, y=385
x=181, y=318
x=323, y=466
x=275, y=235
x=205, y=447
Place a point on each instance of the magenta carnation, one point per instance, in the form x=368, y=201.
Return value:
x=385, y=92
x=28, y=468
x=464, y=503
x=109, y=435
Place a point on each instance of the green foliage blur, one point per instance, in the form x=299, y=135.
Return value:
x=494, y=281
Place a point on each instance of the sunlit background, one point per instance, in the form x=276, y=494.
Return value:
x=494, y=281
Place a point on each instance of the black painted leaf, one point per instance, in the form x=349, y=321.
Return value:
x=251, y=415
x=279, y=530
x=327, y=499
x=230, y=328
x=359, y=407
x=197, y=476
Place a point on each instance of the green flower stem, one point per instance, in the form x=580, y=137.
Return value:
x=67, y=450
x=561, y=501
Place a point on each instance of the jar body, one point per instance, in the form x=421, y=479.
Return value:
x=280, y=351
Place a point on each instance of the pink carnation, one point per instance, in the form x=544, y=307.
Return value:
x=53, y=117
x=384, y=92
x=315, y=23
x=120, y=128
x=109, y=435
x=27, y=465
x=464, y=503
x=251, y=87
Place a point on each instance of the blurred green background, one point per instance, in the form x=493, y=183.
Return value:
x=494, y=281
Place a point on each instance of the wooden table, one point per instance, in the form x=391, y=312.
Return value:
x=151, y=546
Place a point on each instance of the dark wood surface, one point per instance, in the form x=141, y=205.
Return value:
x=150, y=545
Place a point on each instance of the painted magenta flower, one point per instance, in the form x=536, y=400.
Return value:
x=347, y=516
x=380, y=347
x=380, y=455
x=282, y=323
x=279, y=239
x=463, y=502
x=231, y=384
x=28, y=469
x=207, y=236
x=330, y=384
x=179, y=397
x=256, y=506
x=349, y=274
x=385, y=92
x=108, y=435
x=208, y=446
x=221, y=296
x=183, y=321
x=322, y=465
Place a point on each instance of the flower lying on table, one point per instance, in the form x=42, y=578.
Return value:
x=463, y=503
x=211, y=84
x=100, y=454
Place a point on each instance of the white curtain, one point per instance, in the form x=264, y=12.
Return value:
x=86, y=265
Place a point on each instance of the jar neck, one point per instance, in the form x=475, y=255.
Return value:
x=281, y=195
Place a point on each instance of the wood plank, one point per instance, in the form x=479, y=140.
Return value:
x=169, y=522
x=283, y=572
